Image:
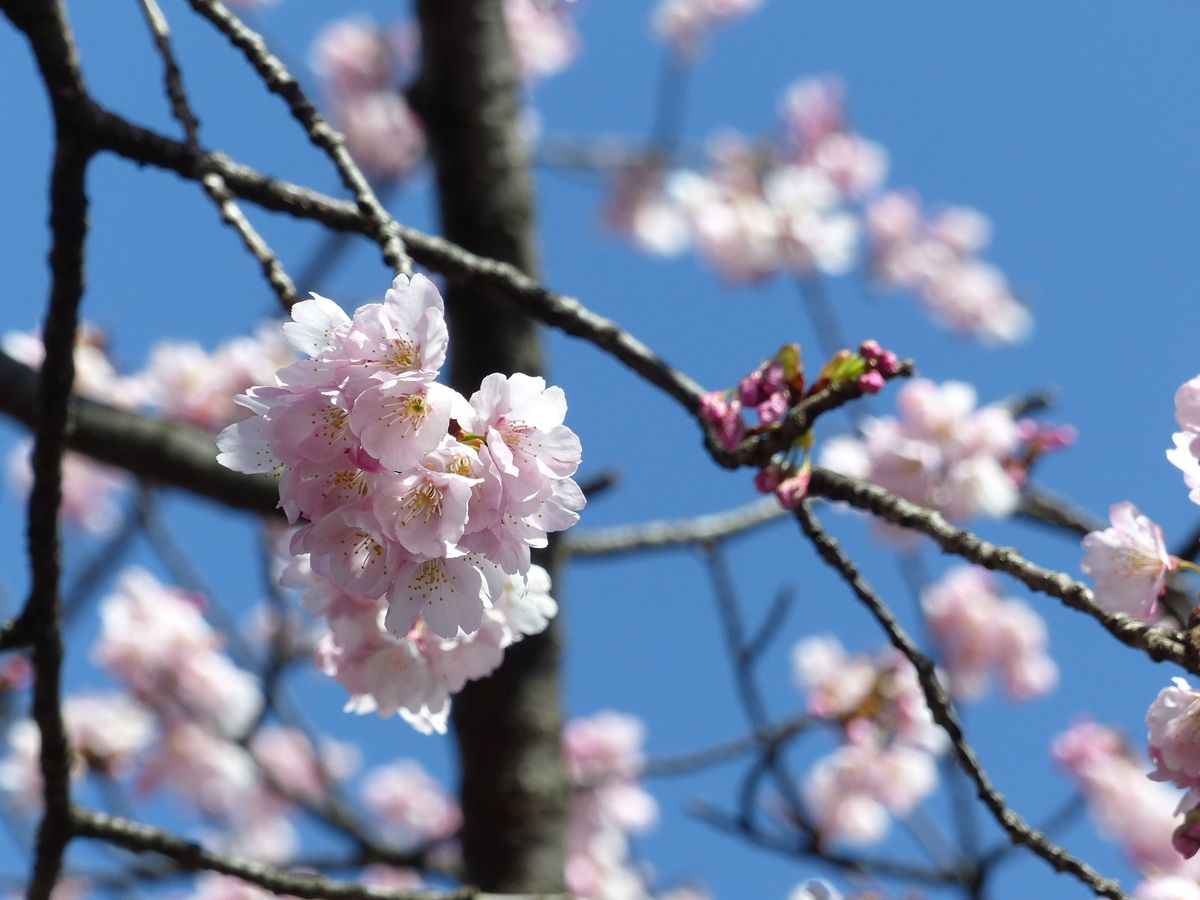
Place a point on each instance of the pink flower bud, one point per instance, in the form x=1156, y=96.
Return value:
x=870, y=350
x=793, y=489
x=871, y=382
x=773, y=409
x=768, y=478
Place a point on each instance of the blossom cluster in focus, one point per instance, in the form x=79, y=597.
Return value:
x=416, y=507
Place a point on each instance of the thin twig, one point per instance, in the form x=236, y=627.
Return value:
x=943, y=713
x=659, y=534
x=791, y=847
x=189, y=855
x=279, y=80
x=213, y=184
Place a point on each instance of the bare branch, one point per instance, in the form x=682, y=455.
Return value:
x=943, y=713
x=156, y=450
x=664, y=533
x=213, y=184
x=1160, y=643
x=800, y=847
x=280, y=81
x=190, y=856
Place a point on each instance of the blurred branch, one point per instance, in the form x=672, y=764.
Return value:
x=189, y=855
x=1041, y=506
x=943, y=713
x=794, y=847
x=663, y=533
x=156, y=450
x=280, y=81
x=686, y=763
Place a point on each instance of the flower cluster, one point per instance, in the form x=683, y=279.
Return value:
x=800, y=203
x=1186, y=453
x=941, y=452
x=771, y=390
x=1129, y=563
x=181, y=720
x=886, y=763
x=1132, y=810
x=685, y=24
x=935, y=258
x=603, y=757
x=417, y=507
x=978, y=631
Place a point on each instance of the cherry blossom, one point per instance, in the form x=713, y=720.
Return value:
x=1130, y=809
x=940, y=452
x=410, y=804
x=1129, y=563
x=544, y=39
x=1186, y=454
x=603, y=757
x=685, y=24
x=935, y=259
x=978, y=631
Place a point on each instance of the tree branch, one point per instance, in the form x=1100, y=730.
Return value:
x=943, y=713
x=280, y=81
x=1161, y=644
x=663, y=533
x=188, y=855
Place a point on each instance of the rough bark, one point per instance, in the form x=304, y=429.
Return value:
x=509, y=727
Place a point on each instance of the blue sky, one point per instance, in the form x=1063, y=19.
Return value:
x=1076, y=135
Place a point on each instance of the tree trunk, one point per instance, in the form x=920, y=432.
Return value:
x=509, y=726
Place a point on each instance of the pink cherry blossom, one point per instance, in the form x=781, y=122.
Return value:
x=1186, y=453
x=544, y=39
x=1135, y=812
x=685, y=24
x=1174, y=738
x=853, y=792
x=935, y=258
x=941, y=452
x=978, y=632
x=1168, y=887
x=1129, y=563
x=412, y=807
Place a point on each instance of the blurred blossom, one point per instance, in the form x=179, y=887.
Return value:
x=935, y=258
x=685, y=24
x=940, y=452
x=409, y=804
x=186, y=383
x=603, y=756
x=359, y=67
x=640, y=208
x=288, y=757
x=980, y=632
x=544, y=39
x=1135, y=812
x=156, y=639
x=106, y=731
x=853, y=792
x=89, y=489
